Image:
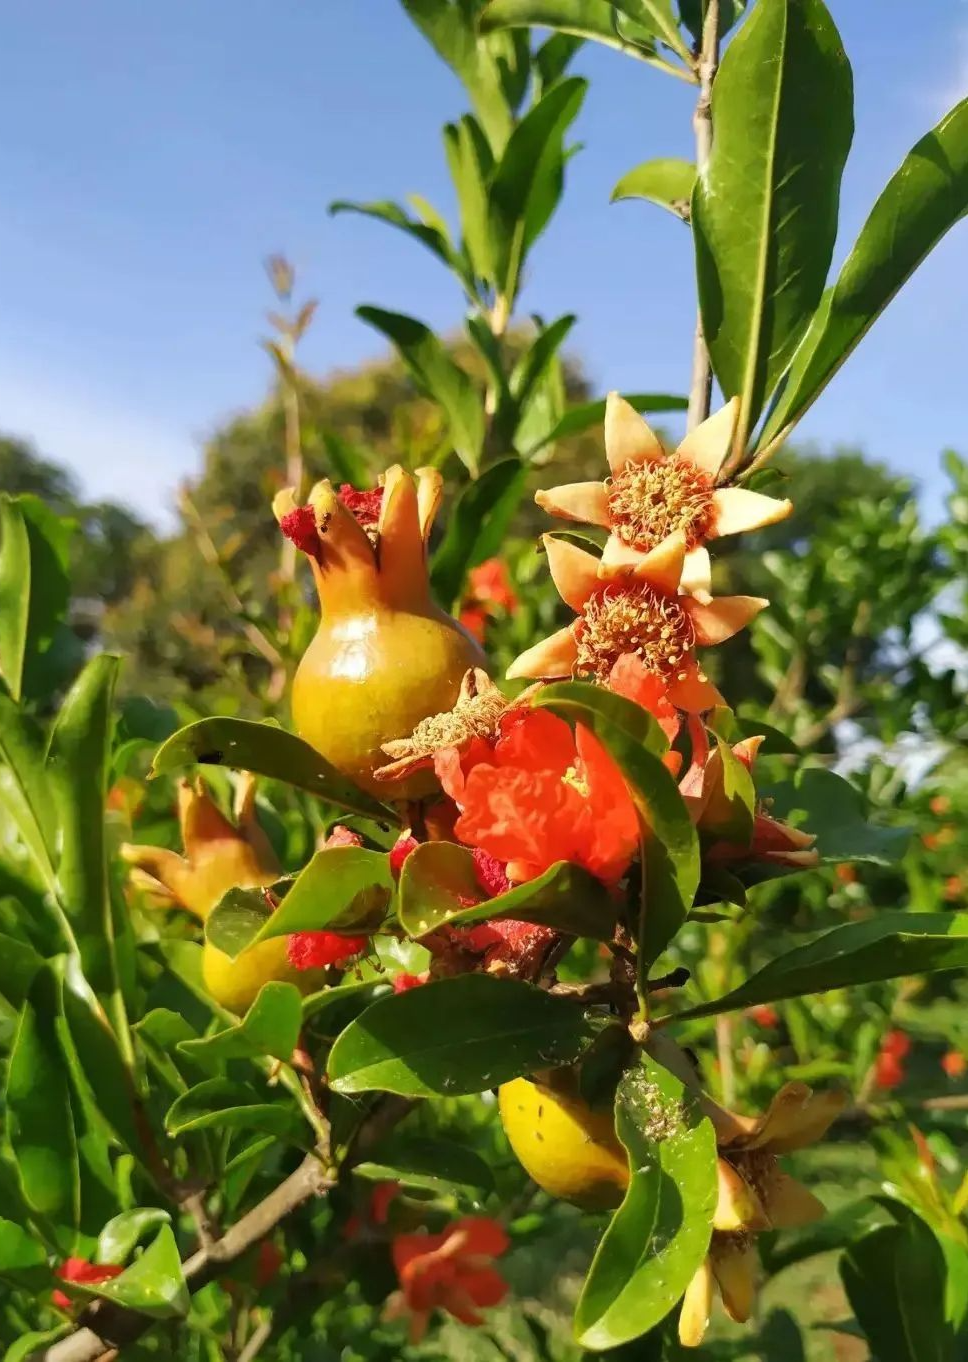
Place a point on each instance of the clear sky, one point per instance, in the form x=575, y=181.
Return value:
x=154, y=151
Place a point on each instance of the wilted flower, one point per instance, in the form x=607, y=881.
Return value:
x=452, y=1271
x=754, y=1194
x=652, y=493
x=628, y=602
x=218, y=856
x=474, y=714
x=539, y=794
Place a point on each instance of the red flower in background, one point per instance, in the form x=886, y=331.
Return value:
x=84, y=1272
x=488, y=587
x=540, y=794
x=452, y=1271
x=954, y=1063
x=764, y=1015
x=889, y=1068
x=402, y=983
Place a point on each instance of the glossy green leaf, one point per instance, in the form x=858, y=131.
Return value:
x=438, y=883
x=270, y=1027
x=587, y=414
x=665, y=181
x=671, y=848
x=660, y=1234
x=221, y=1104
x=531, y=368
x=891, y=945
x=471, y=161
x=23, y=1261
x=595, y=19
x=821, y=802
x=430, y=1165
x=154, y=1284
x=476, y=526
x=330, y=1009
x=926, y=196
x=77, y=771
x=528, y=179
x=739, y=795
x=765, y=212
x=266, y=750
x=438, y=375
x=341, y=889
x=236, y=920
x=658, y=17
x=24, y=793
x=122, y=1234
x=39, y=1120
x=456, y=1036
x=14, y=593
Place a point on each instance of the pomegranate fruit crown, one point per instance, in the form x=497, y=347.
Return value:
x=348, y=564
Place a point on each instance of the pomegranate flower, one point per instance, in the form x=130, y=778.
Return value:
x=627, y=602
x=219, y=856
x=540, y=794
x=652, y=493
x=452, y=1271
x=754, y=1194
x=488, y=588
x=86, y=1274
x=319, y=950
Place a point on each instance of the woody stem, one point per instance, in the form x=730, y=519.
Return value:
x=700, y=389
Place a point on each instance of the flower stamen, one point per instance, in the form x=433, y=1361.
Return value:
x=638, y=620
x=649, y=501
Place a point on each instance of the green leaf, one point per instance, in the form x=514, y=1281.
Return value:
x=660, y=1234
x=77, y=771
x=24, y=791
x=765, y=212
x=476, y=527
x=346, y=461
x=438, y=880
x=692, y=13
x=528, y=179
x=236, y=920
x=895, y=1279
x=926, y=196
x=23, y=1261
x=587, y=414
x=471, y=161
x=827, y=805
x=657, y=16
x=154, y=1284
x=122, y=1234
x=536, y=360
x=93, y=1056
x=456, y=1036
x=666, y=181
x=270, y=1027
x=635, y=741
x=595, y=19
x=266, y=750
x=221, y=1104
x=40, y=1123
x=433, y=238
x=19, y=963
x=430, y=1165
x=438, y=375
x=891, y=945
x=341, y=889
x=330, y=1009
x=14, y=593
x=28, y=1345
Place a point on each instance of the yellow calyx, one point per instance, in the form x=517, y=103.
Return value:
x=569, y=1150
x=219, y=856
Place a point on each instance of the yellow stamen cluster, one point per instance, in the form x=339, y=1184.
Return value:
x=649, y=501
x=635, y=620
x=475, y=714
x=576, y=781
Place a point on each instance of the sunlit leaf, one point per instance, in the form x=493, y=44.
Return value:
x=667, y=182
x=270, y=1027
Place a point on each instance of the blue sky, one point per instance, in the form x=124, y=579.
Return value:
x=154, y=153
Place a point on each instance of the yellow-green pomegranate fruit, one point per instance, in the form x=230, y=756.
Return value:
x=234, y=984
x=384, y=656
x=568, y=1149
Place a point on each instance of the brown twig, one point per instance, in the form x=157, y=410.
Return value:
x=258, y=1338
x=700, y=389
